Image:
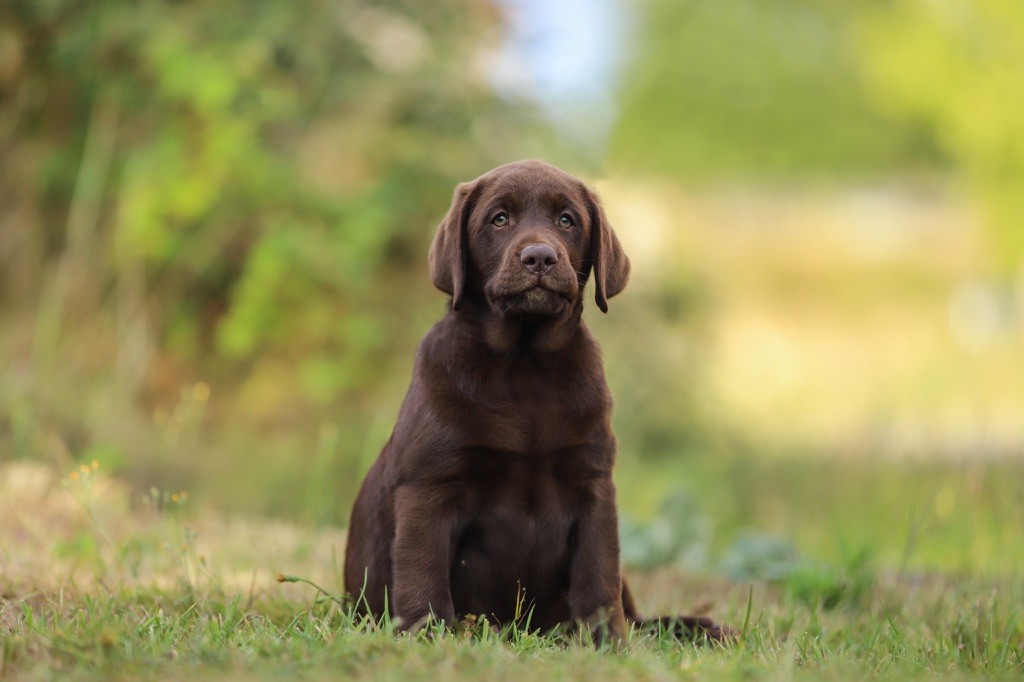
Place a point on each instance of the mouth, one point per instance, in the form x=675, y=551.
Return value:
x=536, y=300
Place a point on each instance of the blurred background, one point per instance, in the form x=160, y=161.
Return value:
x=214, y=219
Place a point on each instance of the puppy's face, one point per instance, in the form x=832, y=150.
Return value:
x=528, y=234
x=523, y=239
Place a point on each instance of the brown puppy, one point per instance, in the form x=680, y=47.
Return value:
x=494, y=494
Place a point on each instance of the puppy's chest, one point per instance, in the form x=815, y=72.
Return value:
x=517, y=519
x=526, y=484
x=518, y=504
x=534, y=418
x=525, y=432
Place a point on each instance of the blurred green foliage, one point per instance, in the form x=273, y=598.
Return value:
x=680, y=533
x=260, y=167
x=777, y=90
x=957, y=67
x=753, y=89
x=797, y=517
x=235, y=194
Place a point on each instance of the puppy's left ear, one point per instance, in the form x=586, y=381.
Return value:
x=610, y=263
x=449, y=252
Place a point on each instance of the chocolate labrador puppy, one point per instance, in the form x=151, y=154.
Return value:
x=494, y=495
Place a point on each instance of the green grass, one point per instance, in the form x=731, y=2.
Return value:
x=901, y=630
x=97, y=581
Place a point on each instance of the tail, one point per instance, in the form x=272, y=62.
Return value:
x=695, y=629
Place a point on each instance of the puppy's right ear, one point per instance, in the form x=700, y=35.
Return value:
x=449, y=254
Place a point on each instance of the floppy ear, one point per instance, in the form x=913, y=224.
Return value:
x=610, y=263
x=448, y=253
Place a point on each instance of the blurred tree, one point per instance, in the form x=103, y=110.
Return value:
x=751, y=88
x=957, y=66
x=235, y=191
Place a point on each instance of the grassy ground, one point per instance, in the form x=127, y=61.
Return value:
x=98, y=583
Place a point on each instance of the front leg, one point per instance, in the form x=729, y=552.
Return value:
x=595, y=581
x=425, y=527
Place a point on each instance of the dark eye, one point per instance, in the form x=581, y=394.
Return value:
x=566, y=220
x=500, y=220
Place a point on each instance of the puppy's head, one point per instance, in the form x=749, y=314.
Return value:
x=523, y=239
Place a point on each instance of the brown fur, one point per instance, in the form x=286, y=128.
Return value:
x=494, y=494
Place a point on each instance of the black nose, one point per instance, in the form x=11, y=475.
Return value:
x=538, y=258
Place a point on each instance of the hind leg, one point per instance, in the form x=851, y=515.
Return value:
x=368, y=549
x=683, y=628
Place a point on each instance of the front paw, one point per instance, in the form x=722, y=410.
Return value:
x=416, y=621
x=606, y=626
